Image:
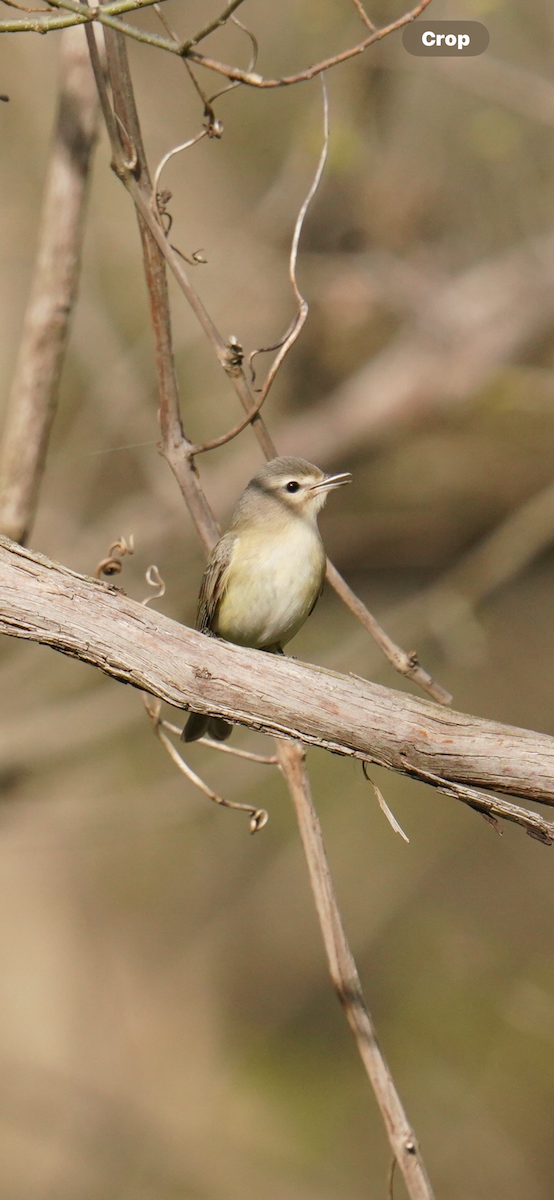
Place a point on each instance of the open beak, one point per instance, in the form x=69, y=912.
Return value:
x=332, y=481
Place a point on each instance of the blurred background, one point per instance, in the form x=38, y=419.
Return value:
x=167, y=1025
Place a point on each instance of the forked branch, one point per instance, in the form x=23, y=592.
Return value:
x=128, y=161
x=109, y=16
x=130, y=164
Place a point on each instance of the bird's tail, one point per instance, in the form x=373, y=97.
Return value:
x=198, y=725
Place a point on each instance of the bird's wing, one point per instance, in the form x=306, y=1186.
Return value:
x=320, y=590
x=214, y=581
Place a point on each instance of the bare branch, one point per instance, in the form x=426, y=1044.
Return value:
x=258, y=816
x=175, y=446
x=208, y=110
x=346, y=980
x=227, y=357
x=296, y=327
x=170, y=154
x=107, y=15
x=34, y=392
x=253, y=60
x=234, y=432
x=384, y=806
x=23, y=7
x=299, y=320
x=231, y=363
x=47, y=603
x=267, y=760
x=213, y=25
x=405, y=664
x=253, y=80
x=82, y=14
x=492, y=807
x=362, y=12
x=169, y=406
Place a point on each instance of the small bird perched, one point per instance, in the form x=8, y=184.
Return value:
x=264, y=576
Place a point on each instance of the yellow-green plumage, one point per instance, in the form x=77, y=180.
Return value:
x=265, y=574
x=272, y=583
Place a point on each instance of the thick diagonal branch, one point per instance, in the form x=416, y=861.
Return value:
x=47, y=603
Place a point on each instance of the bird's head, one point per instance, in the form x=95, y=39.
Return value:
x=297, y=484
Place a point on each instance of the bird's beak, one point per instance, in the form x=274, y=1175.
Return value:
x=332, y=481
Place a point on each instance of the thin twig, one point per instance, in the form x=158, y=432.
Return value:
x=208, y=110
x=384, y=806
x=253, y=80
x=107, y=16
x=292, y=756
x=253, y=60
x=491, y=807
x=258, y=816
x=405, y=663
x=176, y=150
x=34, y=392
x=209, y=101
x=299, y=320
x=362, y=12
x=215, y=24
x=180, y=450
x=23, y=8
x=175, y=446
x=267, y=760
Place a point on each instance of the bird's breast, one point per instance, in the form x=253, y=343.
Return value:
x=273, y=582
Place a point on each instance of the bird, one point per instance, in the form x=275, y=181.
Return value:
x=264, y=576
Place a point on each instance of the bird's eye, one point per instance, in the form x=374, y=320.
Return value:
x=293, y=486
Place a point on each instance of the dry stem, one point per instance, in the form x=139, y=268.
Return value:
x=34, y=393
x=258, y=816
x=130, y=164
x=178, y=452
x=345, y=977
x=108, y=16
x=176, y=448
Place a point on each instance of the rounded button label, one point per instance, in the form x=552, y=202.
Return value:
x=444, y=39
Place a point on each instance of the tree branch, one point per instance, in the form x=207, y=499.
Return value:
x=179, y=454
x=47, y=603
x=108, y=16
x=34, y=393
x=80, y=16
x=346, y=980
x=175, y=446
x=254, y=80
x=182, y=450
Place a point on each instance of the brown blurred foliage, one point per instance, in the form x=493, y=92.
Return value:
x=168, y=1028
